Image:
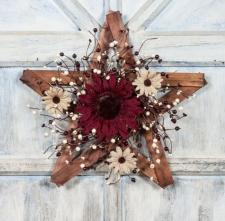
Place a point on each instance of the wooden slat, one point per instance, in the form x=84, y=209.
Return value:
x=179, y=166
x=146, y=14
x=119, y=33
x=184, y=79
x=77, y=14
x=162, y=170
x=191, y=198
x=35, y=198
x=105, y=37
x=88, y=158
x=144, y=165
x=39, y=80
x=174, y=47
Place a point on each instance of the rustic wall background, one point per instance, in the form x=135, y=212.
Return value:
x=191, y=37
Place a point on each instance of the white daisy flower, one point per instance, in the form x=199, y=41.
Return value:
x=56, y=100
x=148, y=83
x=120, y=163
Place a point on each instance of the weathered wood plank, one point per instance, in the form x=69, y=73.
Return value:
x=78, y=14
x=179, y=166
x=187, y=15
x=113, y=202
x=146, y=14
x=33, y=15
x=43, y=46
x=190, y=198
x=41, y=64
x=35, y=198
x=39, y=80
x=19, y=127
x=183, y=47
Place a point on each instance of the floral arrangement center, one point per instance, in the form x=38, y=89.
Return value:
x=109, y=107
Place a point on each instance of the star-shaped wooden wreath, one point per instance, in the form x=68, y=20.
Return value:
x=110, y=99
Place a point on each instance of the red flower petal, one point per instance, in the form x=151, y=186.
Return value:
x=120, y=124
x=112, y=81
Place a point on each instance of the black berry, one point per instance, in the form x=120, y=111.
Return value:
x=133, y=179
x=166, y=148
x=157, y=57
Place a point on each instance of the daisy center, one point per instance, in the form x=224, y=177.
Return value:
x=121, y=160
x=56, y=99
x=108, y=106
x=147, y=82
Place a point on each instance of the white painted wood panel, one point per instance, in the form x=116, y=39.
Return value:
x=182, y=46
x=190, y=199
x=79, y=15
x=190, y=15
x=19, y=128
x=33, y=15
x=176, y=47
x=35, y=198
x=176, y=15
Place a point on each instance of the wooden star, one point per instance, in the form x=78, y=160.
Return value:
x=157, y=169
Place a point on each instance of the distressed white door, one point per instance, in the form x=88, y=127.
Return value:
x=191, y=37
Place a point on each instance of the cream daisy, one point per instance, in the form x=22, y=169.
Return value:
x=56, y=100
x=148, y=83
x=122, y=162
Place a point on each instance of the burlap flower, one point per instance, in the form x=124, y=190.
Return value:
x=56, y=100
x=147, y=83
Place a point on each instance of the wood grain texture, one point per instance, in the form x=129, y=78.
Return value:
x=77, y=14
x=41, y=64
x=147, y=13
x=186, y=15
x=64, y=172
x=35, y=198
x=190, y=198
x=199, y=198
x=181, y=46
x=33, y=15
x=161, y=168
x=172, y=46
x=179, y=166
x=121, y=35
x=39, y=80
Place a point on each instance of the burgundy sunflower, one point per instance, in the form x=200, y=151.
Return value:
x=109, y=106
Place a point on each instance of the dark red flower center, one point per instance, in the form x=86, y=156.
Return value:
x=121, y=160
x=56, y=100
x=147, y=82
x=108, y=106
